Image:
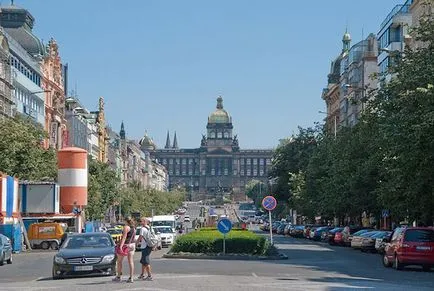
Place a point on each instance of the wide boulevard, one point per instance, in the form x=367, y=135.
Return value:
x=311, y=266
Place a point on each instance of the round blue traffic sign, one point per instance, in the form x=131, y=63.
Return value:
x=224, y=225
x=269, y=203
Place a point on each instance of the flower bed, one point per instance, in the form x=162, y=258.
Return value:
x=210, y=241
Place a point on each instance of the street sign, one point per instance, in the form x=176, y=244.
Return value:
x=269, y=203
x=385, y=213
x=224, y=225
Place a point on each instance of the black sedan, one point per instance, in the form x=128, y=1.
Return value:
x=85, y=254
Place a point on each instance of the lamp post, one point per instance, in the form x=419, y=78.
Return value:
x=334, y=121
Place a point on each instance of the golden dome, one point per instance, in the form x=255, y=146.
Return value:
x=219, y=115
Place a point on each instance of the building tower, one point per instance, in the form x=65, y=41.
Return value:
x=219, y=127
x=175, y=142
x=167, y=146
x=102, y=133
x=346, y=41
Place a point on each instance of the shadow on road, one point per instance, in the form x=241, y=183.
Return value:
x=361, y=268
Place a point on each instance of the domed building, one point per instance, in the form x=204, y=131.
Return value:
x=218, y=166
x=146, y=143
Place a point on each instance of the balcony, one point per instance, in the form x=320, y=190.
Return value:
x=398, y=9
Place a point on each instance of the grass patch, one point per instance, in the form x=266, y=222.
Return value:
x=210, y=241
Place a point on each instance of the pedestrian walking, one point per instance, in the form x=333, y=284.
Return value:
x=146, y=241
x=126, y=248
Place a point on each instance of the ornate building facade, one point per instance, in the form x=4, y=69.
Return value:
x=53, y=85
x=219, y=165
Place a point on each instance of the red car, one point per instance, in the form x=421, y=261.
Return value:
x=410, y=246
x=339, y=236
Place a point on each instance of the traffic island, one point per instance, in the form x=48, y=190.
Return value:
x=213, y=244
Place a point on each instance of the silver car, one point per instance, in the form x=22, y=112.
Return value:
x=5, y=250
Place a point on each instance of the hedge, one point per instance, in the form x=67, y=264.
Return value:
x=211, y=242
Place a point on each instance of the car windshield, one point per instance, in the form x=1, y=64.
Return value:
x=361, y=232
x=163, y=229
x=88, y=241
x=114, y=231
x=419, y=235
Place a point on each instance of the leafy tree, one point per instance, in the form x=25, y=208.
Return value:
x=102, y=189
x=21, y=151
x=404, y=110
x=257, y=190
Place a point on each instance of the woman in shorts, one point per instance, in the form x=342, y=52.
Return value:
x=128, y=239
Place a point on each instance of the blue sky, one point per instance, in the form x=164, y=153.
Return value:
x=161, y=64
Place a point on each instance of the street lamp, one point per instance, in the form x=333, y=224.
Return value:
x=335, y=121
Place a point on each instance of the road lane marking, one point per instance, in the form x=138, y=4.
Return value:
x=254, y=275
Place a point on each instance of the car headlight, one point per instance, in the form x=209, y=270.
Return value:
x=108, y=259
x=59, y=260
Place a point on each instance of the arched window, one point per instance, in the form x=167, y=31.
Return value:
x=226, y=134
x=219, y=134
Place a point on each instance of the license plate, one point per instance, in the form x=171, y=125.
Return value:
x=423, y=248
x=83, y=268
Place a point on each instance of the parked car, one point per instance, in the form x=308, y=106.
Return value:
x=297, y=231
x=357, y=233
x=368, y=243
x=5, y=250
x=331, y=235
x=317, y=233
x=380, y=243
x=410, y=246
x=357, y=241
x=85, y=254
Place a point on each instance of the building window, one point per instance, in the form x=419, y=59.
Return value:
x=212, y=172
x=226, y=171
x=235, y=172
x=226, y=134
x=190, y=161
x=261, y=161
x=255, y=161
x=203, y=172
x=242, y=172
x=261, y=172
x=255, y=172
x=190, y=172
x=170, y=161
x=242, y=161
x=248, y=172
x=177, y=172
x=268, y=162
x=184, y=161
x=219, y=134
x=184, y=172
x=248, y=161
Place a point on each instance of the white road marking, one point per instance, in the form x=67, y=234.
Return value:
x=254, y=275
x=152, y=289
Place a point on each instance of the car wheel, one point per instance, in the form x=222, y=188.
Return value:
x=386, y=262
x=2, y=259
x=398, y=265
x=10, y=260
x=45, y=245
x=54, y=245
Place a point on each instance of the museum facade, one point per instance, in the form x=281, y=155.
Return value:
x=218, y=166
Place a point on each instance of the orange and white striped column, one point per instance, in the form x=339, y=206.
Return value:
x=72, y=178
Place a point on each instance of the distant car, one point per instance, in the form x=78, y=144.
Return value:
x=167, y=234
x=5, y=250
x=85, y=254
x=186, y=218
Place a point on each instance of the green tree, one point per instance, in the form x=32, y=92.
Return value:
x=21, y=151
x=257, y=190
x=103, y=189
x=404, y=110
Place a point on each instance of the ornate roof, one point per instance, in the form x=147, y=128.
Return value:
x=146, y=143
x=219, y=115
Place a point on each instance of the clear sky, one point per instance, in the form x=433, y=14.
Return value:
x=161, y=64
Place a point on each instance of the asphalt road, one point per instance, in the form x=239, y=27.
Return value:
x=311, y=266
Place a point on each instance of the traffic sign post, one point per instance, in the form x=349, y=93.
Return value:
x=269, y=203
x=224, y=226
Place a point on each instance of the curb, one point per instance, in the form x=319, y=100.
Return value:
x=200, y=256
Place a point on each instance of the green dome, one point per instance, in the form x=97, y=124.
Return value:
x=219, y=115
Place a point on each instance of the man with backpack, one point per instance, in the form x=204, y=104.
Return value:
x=149, y=242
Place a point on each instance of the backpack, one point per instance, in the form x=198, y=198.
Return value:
x=151, y=239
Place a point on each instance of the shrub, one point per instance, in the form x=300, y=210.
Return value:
x=210, y=241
